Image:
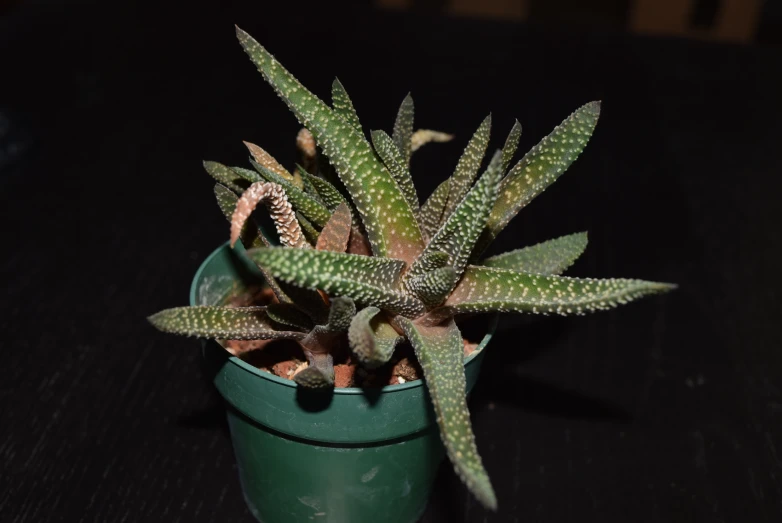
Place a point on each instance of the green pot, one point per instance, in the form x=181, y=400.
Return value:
x=353, y=455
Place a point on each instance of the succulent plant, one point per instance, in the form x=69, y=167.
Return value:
x=361, y=259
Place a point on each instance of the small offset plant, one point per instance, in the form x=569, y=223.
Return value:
x=360, y=258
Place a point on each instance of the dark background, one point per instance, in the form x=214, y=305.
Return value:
x=666, y=410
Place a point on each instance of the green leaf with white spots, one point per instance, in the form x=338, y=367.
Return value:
x=341, y=312
x=225, y=323
x=539, y=168
x=309, y=187
x=389, y=222
x=468, y=166
x=261, y=157
x=432, y=259
x=343, y=105
x=431, y=214
x=289, y=315
x=329, y=194
x=335, y=235
x=392, y=158
x=372, y=339
x=319, y=374
x=484, y=289
x=432, y=287
x=313, y=210
x=310, y=232
x=549, y=257
x=403, y=131
x=440, y=351
x=511, y=145
x=227, y=177
x=367, y=280
x=457, y=236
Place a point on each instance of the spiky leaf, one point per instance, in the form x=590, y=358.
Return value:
x=511, y=144
x=330, y=196
x=311, y=208
x=310, y=232
x=388, y=220
x=387, y=149
x=440, y=351
x=457, y=236
x=484, y=289
x=289, y=315
x=279, y=209
x=336, y=234
x=268, y=161
x=539, y=168
x=226, y=176
x=367, y=280
x=549, y=257
x=431, y=214
x=468, y=166
x=319, y=374
x=341, y=312
x=228, y=323
x=423, y=136
x=343, y=105
x=226, y=200
x=372, y=339
x=403, y=130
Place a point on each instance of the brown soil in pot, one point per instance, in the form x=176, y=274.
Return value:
x=284, y=358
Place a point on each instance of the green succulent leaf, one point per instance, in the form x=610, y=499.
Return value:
x=329, y=194
x=308, y=301
x=289, y=315
x=403, y=131
x=310, y=232
x=341, y=312
x=431, y=214
x=433, y=259
x=485, y=289
x=440, y=351
x=549, y=257
x=468, y=166
x=319, y=374
x=433, y=287
x=372, y=339
x=335, y=235
x=308, y=206
x=268, y=161
x=395, y=162
x=226, y=176
x=367, y=280
x=539, y=168
x=343, y=105
x=227, y=323
x=511, y=145
x=458, y=235
x=389, y=222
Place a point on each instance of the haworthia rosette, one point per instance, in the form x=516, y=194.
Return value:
x=403, y=130
x=440, y=351
x=549, y=257
x=390, y=223
x=432, y=287
x=227, y=323
x=372, y=339
x=539, y=168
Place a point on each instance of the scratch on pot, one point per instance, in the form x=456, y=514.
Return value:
x=319, y=514
x=371, y=474
x=313, y=503
x=406, y=488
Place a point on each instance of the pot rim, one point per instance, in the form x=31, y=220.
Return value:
x=290, y=383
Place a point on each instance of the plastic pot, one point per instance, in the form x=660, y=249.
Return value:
x=353, y=455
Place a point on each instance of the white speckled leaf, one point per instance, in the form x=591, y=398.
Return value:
x=457, y=236
x=389, y=222
x=432, y=287
x=549, y=257
x=372, y=339
x=368, y=280
x=330, y=196
x=250, y=235
x=226, y=176
x=403, y=131
x=267, y=160
x=431, y=214
x=467, y=167
x=343, y=105
x=341, y=312
x=440, y=351
x=392, y=158
x=336, y=234
x=225, y=323
x=539, y=168
x=313, y=210
x=289, y=315
x=485, y=289
x=511, y=145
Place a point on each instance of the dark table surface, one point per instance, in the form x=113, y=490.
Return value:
x=666, y=410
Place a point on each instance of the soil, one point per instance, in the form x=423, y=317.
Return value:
x=284, y=358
